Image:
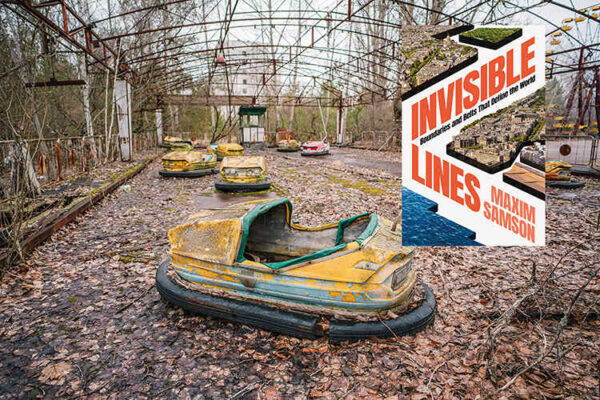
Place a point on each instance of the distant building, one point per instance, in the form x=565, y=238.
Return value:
x=244, y=78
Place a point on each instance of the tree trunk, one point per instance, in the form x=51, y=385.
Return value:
x=83, y=68
x=23, y=177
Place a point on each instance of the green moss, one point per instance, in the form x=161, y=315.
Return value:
x=290, y=172
x=465, y=50
x=363, y=186
x=417, y=65
x=538, y=128
x=182, y=198
x=493, y=35
x=408, y=53
x=126, y=259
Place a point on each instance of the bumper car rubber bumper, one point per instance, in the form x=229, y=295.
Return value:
x=572, y=184
x=260, y=316
x=406, y=324
x=187, y=174
x=220, y=184
x=314, y=153
x=289, y=322
x=288, y=150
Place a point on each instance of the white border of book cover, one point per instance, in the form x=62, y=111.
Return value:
x=482, y=207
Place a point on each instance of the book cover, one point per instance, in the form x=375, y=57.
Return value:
x=473, y=121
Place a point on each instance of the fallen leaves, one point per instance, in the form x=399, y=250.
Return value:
x=54, y=374
x=86, y=348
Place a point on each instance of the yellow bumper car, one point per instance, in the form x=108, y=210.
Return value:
x=188, y=164
x=243, y=174
x=229, y=150
x=249, y=263
x=558, y=175
x=288, y=145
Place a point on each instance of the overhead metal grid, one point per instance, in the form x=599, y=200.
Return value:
x=290, y=50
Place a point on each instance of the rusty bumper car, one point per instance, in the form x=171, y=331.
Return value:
x=228, y=150
x=188, y=164
x=249, y=263
x=177, y=144
x=319, y=148
x=243, y=174
x=288, y=145
x=558, y=175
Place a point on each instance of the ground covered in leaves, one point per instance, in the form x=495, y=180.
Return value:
x=83, y=318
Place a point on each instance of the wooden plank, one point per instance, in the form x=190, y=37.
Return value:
x=527, y=180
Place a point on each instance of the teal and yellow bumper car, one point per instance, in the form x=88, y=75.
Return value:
x=250, y=263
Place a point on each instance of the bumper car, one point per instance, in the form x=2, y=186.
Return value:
x=229, y=149
x=249, y=263
x=558, y=175
x=185, y=145
x=212, y=148
x=288, y=145
x=176, y=143
x=243, y=174
x=188, y=164
x=315, y=148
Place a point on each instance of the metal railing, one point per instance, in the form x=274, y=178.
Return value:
x=375, y=139
x=56, y=158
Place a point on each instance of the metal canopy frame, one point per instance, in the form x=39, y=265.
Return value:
x=293, y=47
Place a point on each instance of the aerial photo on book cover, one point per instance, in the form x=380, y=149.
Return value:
x=473, y=121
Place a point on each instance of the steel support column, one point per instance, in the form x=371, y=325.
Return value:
x=159, y=126
x=123, y=106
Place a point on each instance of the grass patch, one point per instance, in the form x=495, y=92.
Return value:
x=493, y=35
x=363, y=186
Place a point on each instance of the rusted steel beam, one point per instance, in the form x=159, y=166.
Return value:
x=584, y=104
x=58, y=166
x=54, y=82
x=223, y=100
x=63, y=31
x=575, y=87
x=289, y=25
x=312, y=68
x=572, y=9
x=302, y=101
x=237, y=20
x=137, y=10
x=157, y=55
x=453, y=17
x=570, y=70
x=65, y=18
x=47, y=3
x=339, y=22
x=587, y=46
x=597, y=100
x=72, y=157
